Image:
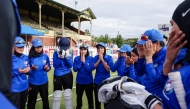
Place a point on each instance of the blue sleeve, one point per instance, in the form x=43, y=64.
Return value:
x=77, y=64
x=89, y=65
x=155, y=73
x=56, y=60
x=15, y=73
x=132, y=73
x=48, y=62
x=122, y=67
x=95, y=59
x=110, y=62
x=115, y=65
x=140, y=67
x=187, y=89
x=69, y=61
x=125, y=72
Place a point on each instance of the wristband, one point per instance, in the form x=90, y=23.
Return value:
x=148, y=58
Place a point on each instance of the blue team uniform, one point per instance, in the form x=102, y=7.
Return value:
x=19, y=81
x=101, y=73
x=130, y=71
x=62, y=65
x=154, y=80
x=169, y=97
x=120, y=66
x=84, y=70
x=39, y=76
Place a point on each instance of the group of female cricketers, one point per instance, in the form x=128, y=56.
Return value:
x=29, y=74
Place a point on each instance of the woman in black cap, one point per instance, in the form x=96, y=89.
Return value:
x=130, y=69
x=83, y=65
x=63, y=77
x=176, y=93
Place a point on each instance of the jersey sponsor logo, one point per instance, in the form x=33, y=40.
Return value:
x=168, y=87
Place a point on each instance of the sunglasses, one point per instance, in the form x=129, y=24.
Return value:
x=19, y=42
x=144, y=37
x=83, y=46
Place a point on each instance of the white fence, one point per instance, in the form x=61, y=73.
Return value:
x=49, y=50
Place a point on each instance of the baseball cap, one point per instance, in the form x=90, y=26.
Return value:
x=37, y=42
x=84, y=46
x=125, y=48
x=153, y=35
x=101, y=44
x=64, y=43
x=19, y=42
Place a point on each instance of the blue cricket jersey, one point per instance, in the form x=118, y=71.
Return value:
x=19, y=81
x=101, y=73
x=154, y=80
x=84, y=70
x=39, y=76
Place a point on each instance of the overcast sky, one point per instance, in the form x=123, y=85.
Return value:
x=130, y=17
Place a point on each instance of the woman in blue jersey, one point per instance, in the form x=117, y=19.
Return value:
x=20, y=66
x=63, y=77
x=83, y=65
x=176, y=93
x=120, y=64
x=130, y=69
x=38, y=79
x=103, y=63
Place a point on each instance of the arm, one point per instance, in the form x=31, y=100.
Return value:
x=89, y=65
x=122, y=69
x=105, y=65
x=115, y=65
x=140, y=67
x=77, y=64
x=48, y=63
x=155, y=73
x=15, y=73
x=69, y=61
x=108, y=64
x=56, y=60
x=96, y=64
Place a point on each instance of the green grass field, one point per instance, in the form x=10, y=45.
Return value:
x=50, y=76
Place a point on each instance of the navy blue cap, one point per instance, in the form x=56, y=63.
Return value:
x=19, y=42
x=125, y=48
x=37, y=42
x=64, y=43
x=153, y=35
x=101, y=44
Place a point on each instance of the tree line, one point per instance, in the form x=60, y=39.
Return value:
x=119, y=40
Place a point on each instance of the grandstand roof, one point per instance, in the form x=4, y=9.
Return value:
x=53, y=9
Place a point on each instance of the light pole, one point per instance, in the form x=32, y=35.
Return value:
x=76, y=4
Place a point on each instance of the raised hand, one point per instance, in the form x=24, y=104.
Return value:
x=46, y=67
x=34, y=67
x=25, y=70
x=149, y=49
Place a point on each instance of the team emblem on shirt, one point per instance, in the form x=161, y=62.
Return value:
x=168, y=87
x=25, y=63
x=155, y=64
x=44, y=61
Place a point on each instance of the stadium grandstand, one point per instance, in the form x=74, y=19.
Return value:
x=54, y=20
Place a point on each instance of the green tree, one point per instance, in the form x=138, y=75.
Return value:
x=119, y=40
x=104, y=38
x=131, y=41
